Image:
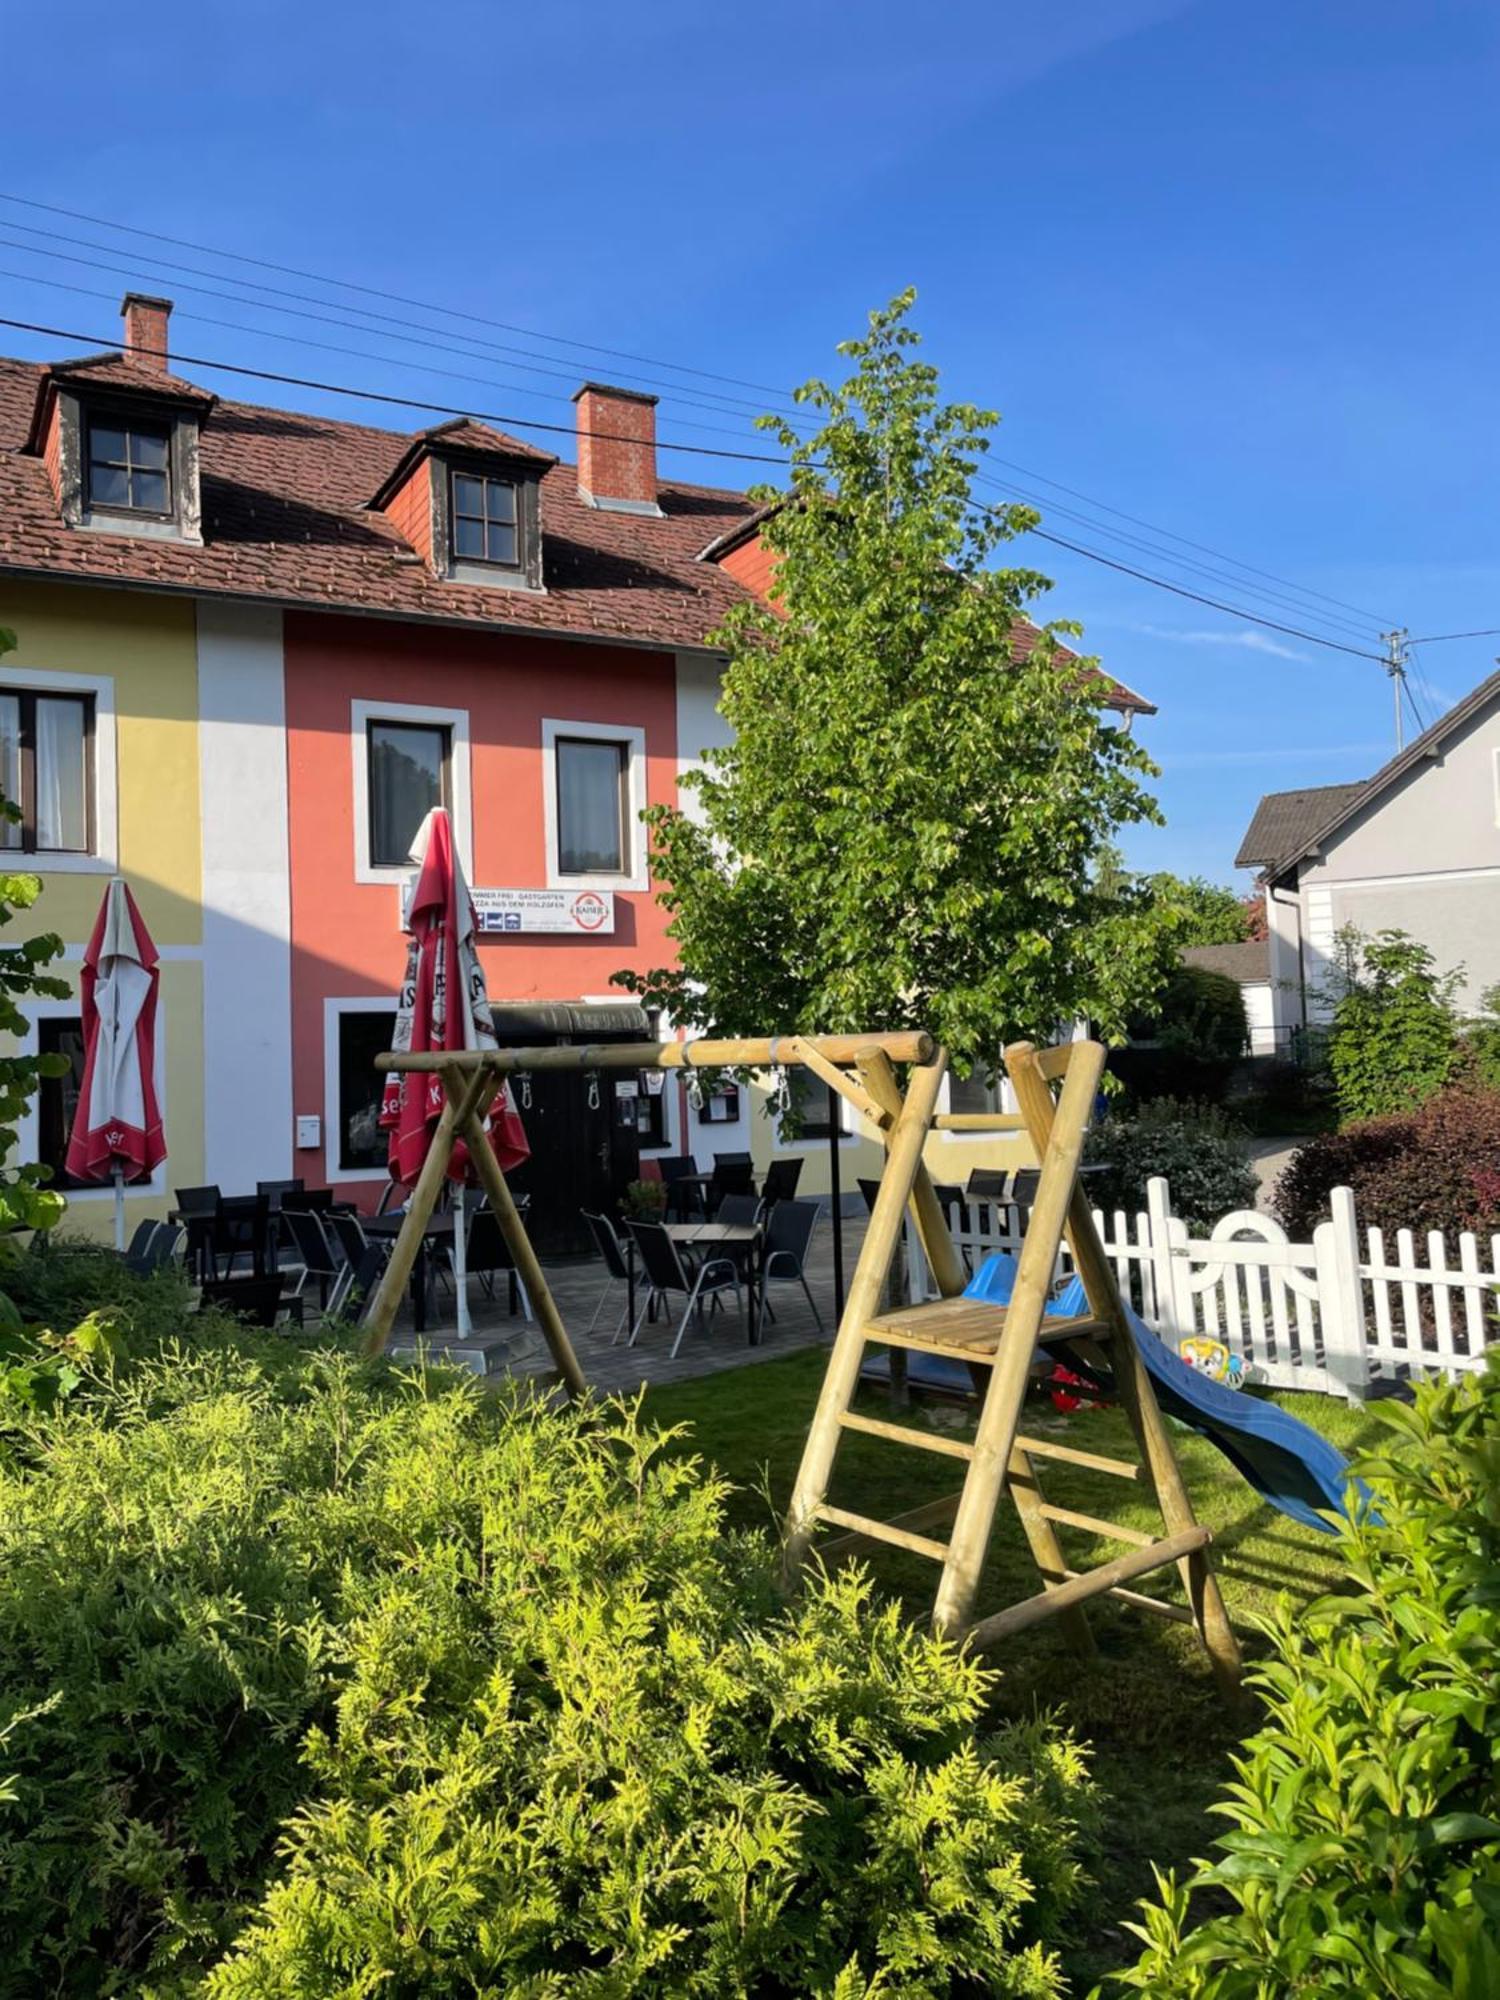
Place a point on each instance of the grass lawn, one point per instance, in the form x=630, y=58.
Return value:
x=1147, y=1704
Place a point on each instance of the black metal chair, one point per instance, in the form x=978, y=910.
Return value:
x=199, y=1210
x=164, y=1244
x=780, y=1183
x=488, y=1256
x=242, y=1228
x=609, y=1247
x=682, y=1192
x=319, y=1259
x=275, y=1193
x=788, y=1235
x=729, y=1177
x=733, y=1160
x=138, y=1250
x=666, y=1275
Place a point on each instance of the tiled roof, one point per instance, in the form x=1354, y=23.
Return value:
x=286, y=516
x=1286, y=821
x=1337, y=810
x=1245, y=963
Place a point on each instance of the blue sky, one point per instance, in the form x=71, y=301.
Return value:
x=1229, y=268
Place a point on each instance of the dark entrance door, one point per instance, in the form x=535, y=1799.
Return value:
x=585, y=1147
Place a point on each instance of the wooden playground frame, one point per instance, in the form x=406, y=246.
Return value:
x=997, y=1343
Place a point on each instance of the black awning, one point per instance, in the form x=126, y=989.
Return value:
x=521, y=1023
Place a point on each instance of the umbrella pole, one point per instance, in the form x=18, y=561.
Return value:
x=461, y=1260
x=119, y=1208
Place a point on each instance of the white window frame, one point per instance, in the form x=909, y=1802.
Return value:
x=105, y=858
x=333, y=1010
x=848, y=1125
x=29, y=1123
x=636, y=875
x=456, y=721
x=1007, y=1105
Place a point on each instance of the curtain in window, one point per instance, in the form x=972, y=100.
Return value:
x=406, y=782
x=61, y=805
x=10, y=765
x=589, y=785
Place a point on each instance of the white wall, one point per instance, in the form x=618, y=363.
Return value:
x=247, y=1006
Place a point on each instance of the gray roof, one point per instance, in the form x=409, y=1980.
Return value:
x=1338, y=810
x=1285, y=821
x=1245, y=963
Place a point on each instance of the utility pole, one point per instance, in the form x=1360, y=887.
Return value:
x=1395, y=665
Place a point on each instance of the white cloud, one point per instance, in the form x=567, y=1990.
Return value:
x=1249, y=640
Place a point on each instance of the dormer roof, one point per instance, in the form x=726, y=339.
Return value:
x=465, y=435
x=116, y=375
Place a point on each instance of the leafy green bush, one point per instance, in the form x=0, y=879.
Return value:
x=1483, y=1039
x=1366, y=1853
x=381, y=1684
x=1197, y=1146
x=1394, y=1041
x=1434, y=1168
x=1193, y=1039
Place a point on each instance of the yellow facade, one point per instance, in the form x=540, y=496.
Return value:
x=145, y=649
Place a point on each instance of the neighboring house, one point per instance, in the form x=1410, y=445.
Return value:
x=1416, y=848
x=256, y=646
x=1249, y=966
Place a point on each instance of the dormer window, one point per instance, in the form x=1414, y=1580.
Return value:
x=485, y=520
x=129, y=467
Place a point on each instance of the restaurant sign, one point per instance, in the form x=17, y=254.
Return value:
x=560, y=912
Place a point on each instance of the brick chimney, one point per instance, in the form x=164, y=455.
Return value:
x=146, y=330
x=617, y=448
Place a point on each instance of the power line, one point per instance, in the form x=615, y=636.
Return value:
x=1203, y=549
x=415, y=336
x=334, y=347
x=378, y=396
x=1053, y=508
x=390, y=298
x=1441, y=638
x=1234, y=611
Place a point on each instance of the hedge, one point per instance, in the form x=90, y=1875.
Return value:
x=1435, y=1168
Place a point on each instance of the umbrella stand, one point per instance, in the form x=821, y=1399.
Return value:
x=461, y=1260
x=119, y=1179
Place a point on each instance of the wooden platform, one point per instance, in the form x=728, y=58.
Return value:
x=969, y=1329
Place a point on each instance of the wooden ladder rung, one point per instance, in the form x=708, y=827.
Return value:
x=1090, y=1583
x=1070, y=1455
x=1091, y=1524
x=862, y=1525
x=1157, y=1606
x=906, y=1434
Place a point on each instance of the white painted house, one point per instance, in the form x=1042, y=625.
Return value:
x=1416, y=848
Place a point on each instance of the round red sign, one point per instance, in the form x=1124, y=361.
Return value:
x=589, y=911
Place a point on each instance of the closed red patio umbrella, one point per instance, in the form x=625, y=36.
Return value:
x=117, y=1133
x=443, y=1005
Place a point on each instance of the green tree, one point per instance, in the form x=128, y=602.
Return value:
x=25, y=1200
x=1200, y=911
x=1394, y=1041
x=907, y=826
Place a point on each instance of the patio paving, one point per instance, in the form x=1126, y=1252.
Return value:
x=714, y=1342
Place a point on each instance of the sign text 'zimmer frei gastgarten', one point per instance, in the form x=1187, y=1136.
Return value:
x=515, y=912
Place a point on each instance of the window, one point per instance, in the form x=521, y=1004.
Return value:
x=721, y=1105
x=809, y=1105
x=973, y=1093
x=358, y=1142
x=485, y=521
x=408, y=776
x=57, y=1096
x=129, y=467
x=591, y=779
x=46, y=742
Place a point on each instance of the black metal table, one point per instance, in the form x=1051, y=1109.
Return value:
x=438, y=1231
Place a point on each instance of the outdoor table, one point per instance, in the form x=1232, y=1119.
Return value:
x=439, y=1230
x=725, y=1236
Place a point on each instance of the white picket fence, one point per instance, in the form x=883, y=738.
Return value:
x=1331, y=1315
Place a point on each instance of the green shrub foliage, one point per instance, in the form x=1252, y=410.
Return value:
x=1365, y=1857
x=321, y=1680
x=1197, y=1147
x=1191, y=1043
x=1395, y=1035
x=1435, y=1168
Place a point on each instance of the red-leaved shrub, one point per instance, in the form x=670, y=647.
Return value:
x=1435, y=1168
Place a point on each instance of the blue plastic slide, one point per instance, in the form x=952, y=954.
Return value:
x=1286, y=1461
